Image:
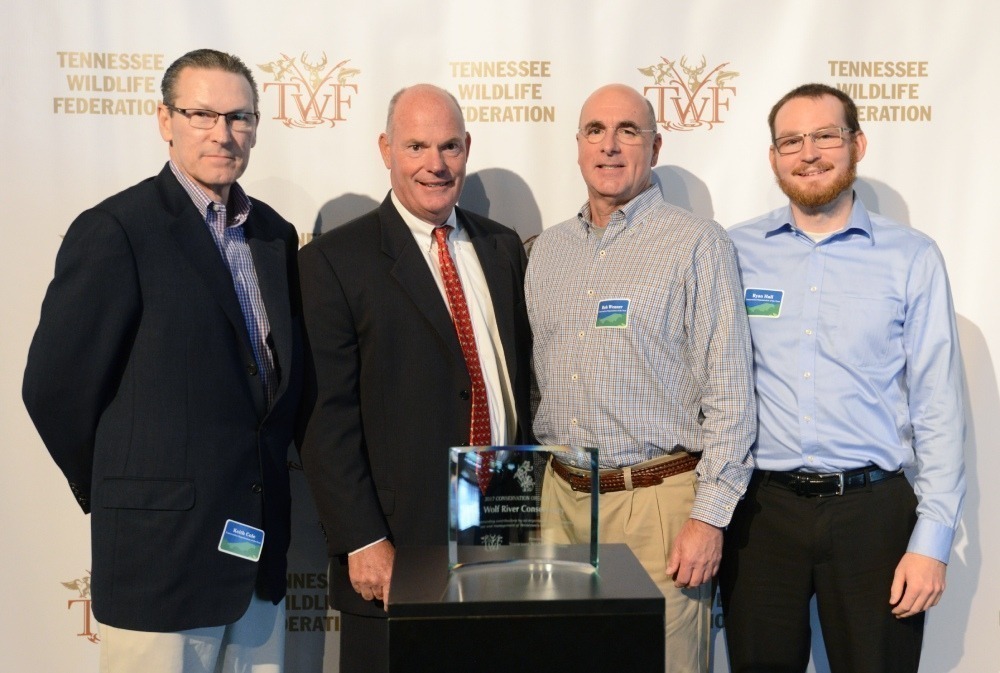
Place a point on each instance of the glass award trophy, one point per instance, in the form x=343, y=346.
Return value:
x=500, y=511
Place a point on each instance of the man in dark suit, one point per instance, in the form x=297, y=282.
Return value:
x=391, y=384
x=164, y=379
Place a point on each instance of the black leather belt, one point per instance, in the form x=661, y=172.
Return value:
x=813, y=484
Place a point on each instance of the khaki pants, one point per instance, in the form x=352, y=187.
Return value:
x=255, y=642
x=647, y=520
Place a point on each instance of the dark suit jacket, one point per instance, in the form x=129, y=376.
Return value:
x=142, y=384
x=387, y=390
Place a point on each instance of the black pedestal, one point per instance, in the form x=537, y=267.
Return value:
x=523, y=617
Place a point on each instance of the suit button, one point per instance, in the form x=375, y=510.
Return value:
x=252, y=368
x=464, y=394
x=256, y=487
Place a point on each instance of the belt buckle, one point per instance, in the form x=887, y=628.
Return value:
x=840, y=484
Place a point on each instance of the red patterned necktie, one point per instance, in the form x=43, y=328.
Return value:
x=479, y=427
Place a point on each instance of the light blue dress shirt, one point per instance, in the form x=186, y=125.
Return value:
x=857, y=358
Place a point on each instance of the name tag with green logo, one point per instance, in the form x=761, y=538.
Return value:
x=762, y=303
x=612, y=313
x=241, y=540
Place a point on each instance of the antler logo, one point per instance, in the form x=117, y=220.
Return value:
x=320, y=95
x=81, y=585
x=524, y=478
x=687, y=98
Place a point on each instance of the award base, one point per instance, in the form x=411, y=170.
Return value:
x=523, y=615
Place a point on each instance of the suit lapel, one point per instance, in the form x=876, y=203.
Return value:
x=272, y=278
x=410, y=270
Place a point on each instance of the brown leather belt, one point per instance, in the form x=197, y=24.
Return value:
x=615, y=480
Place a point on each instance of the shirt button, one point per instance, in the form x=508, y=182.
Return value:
x=252, y=369
x=581, y=334
x=573, y=421
x=809, y=332
x=811, y=459
x=590, y=293
x=813, y=288
x=575, y=377
x=807, y=375
x=807, y=419
x=256, y=487
x=464, y=394
x=603, y=253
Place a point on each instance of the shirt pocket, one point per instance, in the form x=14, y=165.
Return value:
x=863, y=330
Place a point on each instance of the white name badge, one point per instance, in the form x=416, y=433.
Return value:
x=239, y=539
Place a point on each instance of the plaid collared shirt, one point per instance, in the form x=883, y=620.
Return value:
x=227, y=231
x=641, y=344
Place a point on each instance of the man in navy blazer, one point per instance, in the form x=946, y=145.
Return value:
x=164, y=378
x=387, y=389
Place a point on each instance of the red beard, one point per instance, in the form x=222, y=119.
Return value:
x=808, y=198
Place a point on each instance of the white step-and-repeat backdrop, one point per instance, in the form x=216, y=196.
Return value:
x=80, y=82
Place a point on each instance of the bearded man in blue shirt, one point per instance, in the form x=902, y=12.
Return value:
x=859, y=377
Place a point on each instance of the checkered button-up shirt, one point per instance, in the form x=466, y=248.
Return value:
x=227, y=231
x=641, y=344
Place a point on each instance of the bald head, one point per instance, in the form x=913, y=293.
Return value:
x=620, y=94
x=419, y=94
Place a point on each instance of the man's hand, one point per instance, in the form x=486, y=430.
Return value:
x=696, y=553
x=917, y=585
x=371, y=571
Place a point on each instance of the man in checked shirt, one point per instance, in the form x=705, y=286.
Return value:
x=642, y=349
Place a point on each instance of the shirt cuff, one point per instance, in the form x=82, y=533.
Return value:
x=931, y=538
x=370, y=544
x=714, y=504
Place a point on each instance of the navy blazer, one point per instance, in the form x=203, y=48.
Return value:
x=142, y=384
x=386, y=388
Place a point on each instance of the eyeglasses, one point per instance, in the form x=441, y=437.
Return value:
x=626, y=135
x=206, y=119
x=824, y=139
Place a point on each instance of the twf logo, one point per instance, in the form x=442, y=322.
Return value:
x=82, y=587
x=492, y=542
x=687, y=101
x=319, y=95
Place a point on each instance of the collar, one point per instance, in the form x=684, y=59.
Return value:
x=858, y=222
x=420, y=228
x=626, y=216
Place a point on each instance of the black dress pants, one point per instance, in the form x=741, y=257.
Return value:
x=782, y=548
x=364, y=644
